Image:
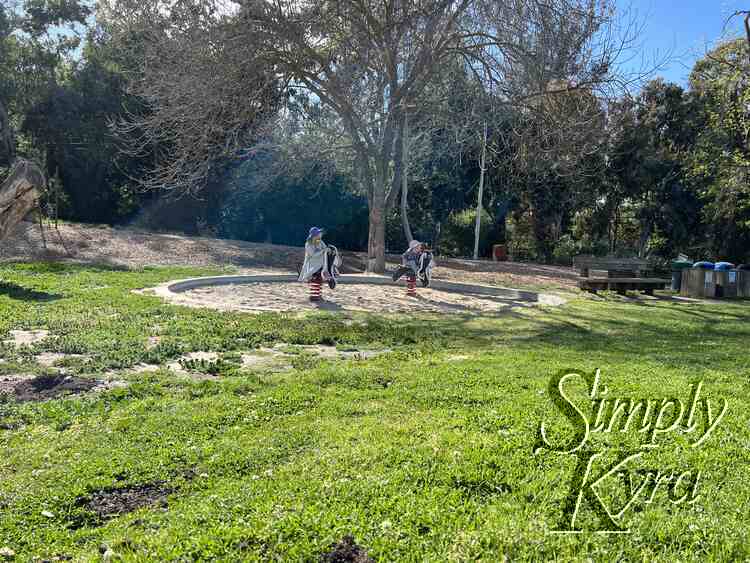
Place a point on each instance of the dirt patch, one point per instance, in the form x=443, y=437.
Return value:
x=52, y=359
x=111, y=503
x=49, y=359
x=281, y=354
x=278, y=359
x=346, y=551
x=267, y=360
x=458, y=358
x=326, y=352
x=26, y=337
x=201, y=356
x=131, y=248
x=144, y=368
x=44, y=387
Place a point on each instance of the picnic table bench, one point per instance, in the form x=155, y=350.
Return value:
x=617, y=274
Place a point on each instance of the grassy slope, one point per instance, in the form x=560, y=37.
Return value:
x=422, y=454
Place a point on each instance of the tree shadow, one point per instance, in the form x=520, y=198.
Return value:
x=25, y=294
x=469, y=312
x=328, y=306
x=660, y=335
x=52, y=265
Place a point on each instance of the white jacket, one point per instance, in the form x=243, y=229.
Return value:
x=316, y=260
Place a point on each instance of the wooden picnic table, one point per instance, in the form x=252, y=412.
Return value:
x=616, y=274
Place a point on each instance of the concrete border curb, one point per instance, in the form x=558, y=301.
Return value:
x=179, y=286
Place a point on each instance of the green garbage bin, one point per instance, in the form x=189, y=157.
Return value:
x=677, y=268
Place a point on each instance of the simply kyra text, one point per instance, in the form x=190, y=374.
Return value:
x=652, y=419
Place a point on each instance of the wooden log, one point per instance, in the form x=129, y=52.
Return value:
x=19, y=194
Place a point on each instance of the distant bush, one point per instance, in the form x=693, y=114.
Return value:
x=521, y=241
x=458, y=234
x=281, y=210
x=565, y=249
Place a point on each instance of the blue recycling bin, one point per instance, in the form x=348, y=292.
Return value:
x=723, y=266
x=704, y=265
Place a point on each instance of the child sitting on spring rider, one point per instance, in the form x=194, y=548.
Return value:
x=416, y=262
x=322, y=263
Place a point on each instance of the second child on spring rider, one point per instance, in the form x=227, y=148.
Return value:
x=416, y=262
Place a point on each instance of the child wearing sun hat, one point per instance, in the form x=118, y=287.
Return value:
x=322, y=263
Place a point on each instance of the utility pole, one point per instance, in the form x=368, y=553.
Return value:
x=478, y=226
x=404, y=180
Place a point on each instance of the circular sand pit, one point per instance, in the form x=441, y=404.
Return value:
x=361, y=293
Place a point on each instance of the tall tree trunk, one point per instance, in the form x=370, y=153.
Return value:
x=614, y=229
x=404, y=182
x=384, y=191
x=645, y=237
x=478, y=225
x=376, y=238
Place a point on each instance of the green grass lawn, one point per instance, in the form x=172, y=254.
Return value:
x=425, y=453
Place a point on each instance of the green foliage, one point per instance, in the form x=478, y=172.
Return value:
x=664, y=173
x=521, y=245
x=266, y=206
x=566, y=249
x=70, y=123
x=41, y=15
x=651, y=192
x=721, y=155
x=458, y=236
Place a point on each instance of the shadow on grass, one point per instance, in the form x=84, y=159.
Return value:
x=25, y=294
x=682, y=335
x=677, y=336
x=68, y=266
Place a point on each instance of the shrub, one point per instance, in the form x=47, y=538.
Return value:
x=458, y=234
x=565, y=249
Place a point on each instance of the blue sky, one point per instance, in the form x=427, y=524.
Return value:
x=685, y=28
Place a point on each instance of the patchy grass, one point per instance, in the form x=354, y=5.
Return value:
x=424, y=453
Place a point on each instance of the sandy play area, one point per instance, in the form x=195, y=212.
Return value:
x=383, y=299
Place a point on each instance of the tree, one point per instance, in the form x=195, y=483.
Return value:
x=720, y=157
x=69, y=127
x=482, y=170
x=650, y=138
x=7, y=139
x=557, y=149
x=364, y=60
x=19, y=194
x=275, y=196
x=204, y=92
x=30, y=55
